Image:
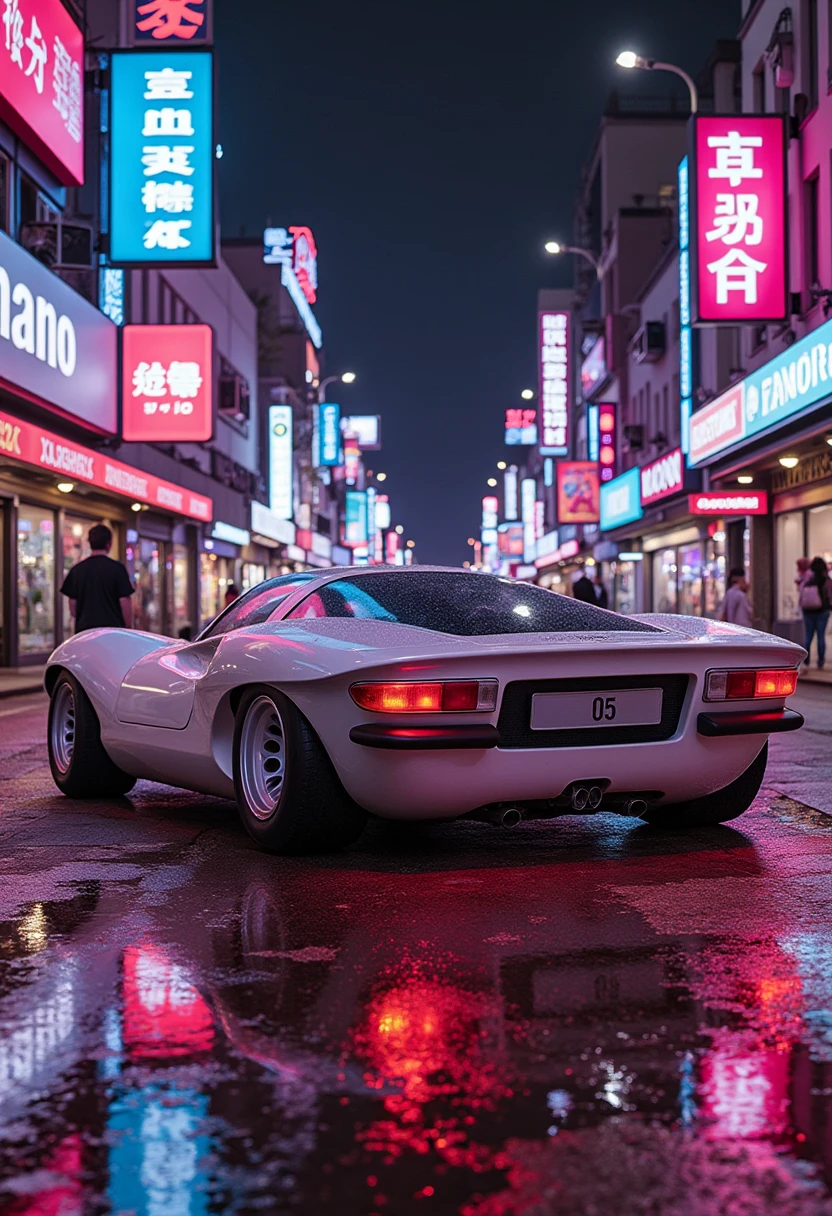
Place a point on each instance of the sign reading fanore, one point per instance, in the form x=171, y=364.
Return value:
x=663, y=477
x=755, y=503
x=739, y=219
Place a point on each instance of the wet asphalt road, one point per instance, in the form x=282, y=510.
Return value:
x=577, y=1017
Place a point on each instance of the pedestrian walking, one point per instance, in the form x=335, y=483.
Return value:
x=816, y=604
x=736, y=607
x=584, y=590
x=99, y=588
x=601, y=597
x=232, y=593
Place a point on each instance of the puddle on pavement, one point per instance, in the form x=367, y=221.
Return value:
x=497, y=1041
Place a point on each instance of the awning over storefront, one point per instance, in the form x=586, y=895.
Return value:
x=32, y=445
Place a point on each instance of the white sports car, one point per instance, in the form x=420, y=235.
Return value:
x=424, y=693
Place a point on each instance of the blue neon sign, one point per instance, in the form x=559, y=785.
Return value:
x=162, y=157
x=329, y=421
x=621, y=500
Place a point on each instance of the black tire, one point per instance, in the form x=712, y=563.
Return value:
x=80, y=766
x=294, y=803
x=716, y=808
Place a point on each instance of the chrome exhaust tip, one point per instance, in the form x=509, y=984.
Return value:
x=580, y=798
x=594, y=798
x=635, y=807
x=510, y=817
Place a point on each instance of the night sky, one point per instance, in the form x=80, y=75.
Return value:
x=432, y=149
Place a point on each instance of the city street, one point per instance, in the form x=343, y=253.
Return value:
x=571, y=1017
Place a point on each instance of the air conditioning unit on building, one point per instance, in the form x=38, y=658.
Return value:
x=633, y=438
x=649, y=343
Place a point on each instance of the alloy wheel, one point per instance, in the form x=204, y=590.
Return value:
x=262, y=758
x=62, y=732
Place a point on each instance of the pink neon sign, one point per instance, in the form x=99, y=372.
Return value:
x=42, y=83
x=739, y=219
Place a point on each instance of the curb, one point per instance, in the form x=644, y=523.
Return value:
x=23, y=690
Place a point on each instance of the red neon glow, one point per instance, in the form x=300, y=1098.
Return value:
x=42, y=83
x=31, y=444
x=555, y=379
x=164, y=19
x=164, y=1014
x=607, y=445
x=755, y=503
x=167, y=383
x=305, y=261
x=412, y=698
x=739, y=219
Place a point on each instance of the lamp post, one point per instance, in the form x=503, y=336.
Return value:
x=346, y=378
x=555, y=247
x=629, y=59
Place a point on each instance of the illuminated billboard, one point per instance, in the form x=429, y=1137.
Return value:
x=281, y=464
x=167, y=383
x=738, y=219
x=555, y=371
x=521, y=427
x=578, y=492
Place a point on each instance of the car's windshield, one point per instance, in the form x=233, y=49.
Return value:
x=256, y=605
x=468, y=605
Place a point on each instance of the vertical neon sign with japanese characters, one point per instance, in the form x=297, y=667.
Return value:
x=167, y=383
x=162, y=158
x=555, y=381
x=281, y=463
x=174, y=21
x=738, y=221
x=685, y=331
x=42, y=83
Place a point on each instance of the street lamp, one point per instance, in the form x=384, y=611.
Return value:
x=556, y=247
x=492, y=481
x=629, y=59
x=528, y=393
x=346, y=378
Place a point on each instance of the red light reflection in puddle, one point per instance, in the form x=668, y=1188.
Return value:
x=164, y=1014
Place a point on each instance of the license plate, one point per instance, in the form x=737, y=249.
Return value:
x=615, y=707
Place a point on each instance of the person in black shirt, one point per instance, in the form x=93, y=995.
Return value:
x=99, y=589
x=584, y=590
x=601, y=592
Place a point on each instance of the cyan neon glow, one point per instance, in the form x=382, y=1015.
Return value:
x=621, y=500
x=330, y=425
x=162, y=158
x=592, y=437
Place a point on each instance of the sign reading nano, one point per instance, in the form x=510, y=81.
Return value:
x=167, y=383
x=162, y=158
x=42, y=83
x=729, y=504
x=739, y=219
x=555, y=373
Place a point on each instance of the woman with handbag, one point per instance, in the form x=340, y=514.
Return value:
x=816, y=604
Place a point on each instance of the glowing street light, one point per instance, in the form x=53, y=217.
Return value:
x=629, y=59
x=492, y=481
x=345, y=378
x=399, y=529
x=528, y=393
x=555, y=247
x=501, y=464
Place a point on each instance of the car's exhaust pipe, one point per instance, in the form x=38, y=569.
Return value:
x=634, y=807
x=500, y=816
x=586, y=798
x=510, y=817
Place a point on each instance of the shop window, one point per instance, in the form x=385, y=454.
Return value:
x=790, y=547
x=217, y=577
x=714, y=574
x=35, y=580
x=624, y=587
x=665, y=564
x=178, y=596
x=74, y=548
x=820, y=533
x=144, y=560
x=690, y=580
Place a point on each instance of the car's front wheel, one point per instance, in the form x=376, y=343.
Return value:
x=80, y=766
x=288, y=793
x=720, y=807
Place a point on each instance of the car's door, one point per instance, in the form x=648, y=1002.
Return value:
x=159, y=689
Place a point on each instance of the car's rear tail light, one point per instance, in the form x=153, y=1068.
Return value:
x=747, y=684
x=446, y=697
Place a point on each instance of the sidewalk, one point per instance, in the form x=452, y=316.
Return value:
x=811, y=675
x=15, y=681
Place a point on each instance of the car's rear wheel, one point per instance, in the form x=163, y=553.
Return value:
x=80, y=766
x=720, y=807
x=288, y=793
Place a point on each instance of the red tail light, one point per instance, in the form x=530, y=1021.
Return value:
x=748, y=684
x=447, y=697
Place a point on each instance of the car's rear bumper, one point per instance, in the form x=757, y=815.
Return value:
x=758, y=722
x=426, y=738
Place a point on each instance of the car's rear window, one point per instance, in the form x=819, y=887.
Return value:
x=468, y=605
